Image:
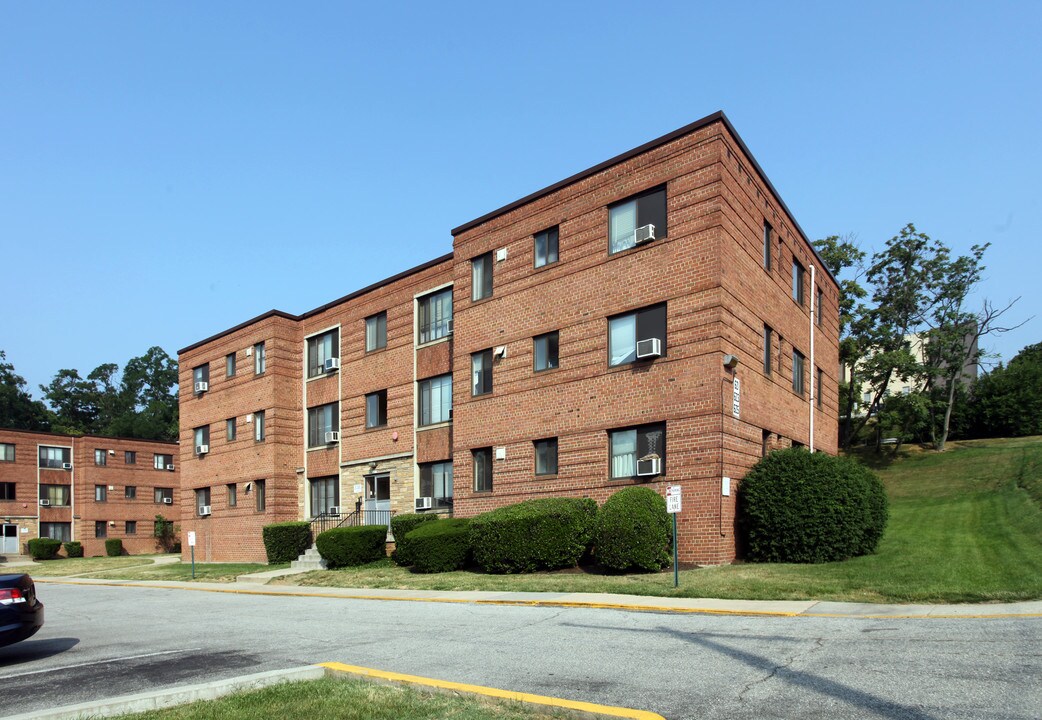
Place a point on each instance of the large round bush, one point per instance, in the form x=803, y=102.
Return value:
x=44, y=548
x=440, y=546
x=401, y=526
x=286, y=541
x=348, y=546
x=633, y=531
x=801, y=507
x=538, y=534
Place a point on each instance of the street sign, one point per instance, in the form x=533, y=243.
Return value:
x=673, y=499
x=736, y=398
x=191, y=539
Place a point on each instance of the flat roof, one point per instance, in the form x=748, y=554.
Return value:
x=88, y=435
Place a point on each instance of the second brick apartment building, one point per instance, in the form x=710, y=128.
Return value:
x=658, y=319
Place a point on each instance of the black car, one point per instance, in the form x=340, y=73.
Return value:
x=21, y=614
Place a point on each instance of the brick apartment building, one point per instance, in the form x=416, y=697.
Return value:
x=658, y=319
x=86, y=488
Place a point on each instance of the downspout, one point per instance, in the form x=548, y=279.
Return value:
x=811, y=370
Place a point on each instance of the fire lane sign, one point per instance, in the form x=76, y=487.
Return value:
x=673, y=503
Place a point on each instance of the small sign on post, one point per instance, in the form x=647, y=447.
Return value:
x=673, y=506
x=191, y=544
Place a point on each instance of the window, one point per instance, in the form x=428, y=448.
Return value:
x=100, y=529
x=797, y=371
x=905, y=389
x=131, y=528
x=201, y=439
x=229, y=429
x=481, y=372
x=797, y=281
x=767, y=245
x=229, y=365
x=6, y=452
x=101, y=458
x=625, y=331
x=765, y=442
x=435, y=400
x=233, y=498
x=162, y=462
x=260, y=491
x=546, y=247
x=321, y=348
x=57, y=495
x=56, y=531
x=767, y=332
x=435, y=312
x=376, y=409
x=545, y=350
x=817, y=308
x=817, y=385
x=436, y=483
x=866, y=398
x=376, y=332
x=101, y=493
x=54, y=457
x=322, y=419
x=481, y=277
x=7, y=490
x=546, y=456
x=780, y=341
x=202, y=500
x=325, y=494
x=260, y=360
x=483, y=470
x=633, y=445
x=258, y=426
x=200, y=374
x=130, y=492
x=130, y=457
x=624, y=218
x=164, y=495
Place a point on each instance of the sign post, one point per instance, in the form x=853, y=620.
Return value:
x=191, y=544
x=673, y=506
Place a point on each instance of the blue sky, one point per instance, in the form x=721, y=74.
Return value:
x=170, y=170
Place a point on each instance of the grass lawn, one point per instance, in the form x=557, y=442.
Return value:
x=76, y=566
x=204, y=572
x=346, y=699
x=965, y=526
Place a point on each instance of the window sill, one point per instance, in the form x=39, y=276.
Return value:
x=319, y=448
x=627, y=251
x=435, y=426
x=546, y=476
x=429, y=343
x=481, y=300
x=374, y=428
x=322, y=376
x=376, y=351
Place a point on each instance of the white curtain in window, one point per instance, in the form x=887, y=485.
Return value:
x=622, y=339
x=624, y=454
x=623, y=224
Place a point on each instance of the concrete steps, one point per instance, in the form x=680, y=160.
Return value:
x=309, y=560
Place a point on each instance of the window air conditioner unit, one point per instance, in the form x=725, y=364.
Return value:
x=202, y=386
x=170, y=467
x=45, y=503
x=449, y=331
x=66, y=466
x=331, y=364
x=651, y=466
x=424, y=503
x=333, y=510
x=644, y=234
x=204, y=510
x=650, y=348
x=202, y=449
x=332, y=437
x=168, y=501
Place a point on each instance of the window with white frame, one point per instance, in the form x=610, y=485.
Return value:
x=633, y=451
x=54, y=457
x=435, y=400
x=55, y=494
x=325, y=494
x=434, y=313
x=436, y=483
x=321, y=420
x=321, y=348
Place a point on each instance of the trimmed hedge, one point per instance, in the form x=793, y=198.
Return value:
x=633, y=531
x=286, y=541
x=441, y=546
x=73, y=549
x=44, y=548
x=113, y=547
x=794, y=506
x=348, y=546
x=547, y=533
x=401, y=526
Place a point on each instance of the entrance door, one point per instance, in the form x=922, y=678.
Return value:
x=377, y=500
x=9, y=541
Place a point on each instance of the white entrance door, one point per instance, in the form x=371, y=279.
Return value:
x=9, y=542
x=377, y=500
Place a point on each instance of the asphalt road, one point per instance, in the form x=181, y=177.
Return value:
x=102, y=642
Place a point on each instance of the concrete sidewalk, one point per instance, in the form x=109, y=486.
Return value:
x=785, y=608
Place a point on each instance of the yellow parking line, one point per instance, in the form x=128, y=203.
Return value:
x=592, y=708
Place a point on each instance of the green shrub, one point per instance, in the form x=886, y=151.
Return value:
x=633, y=531
x=113, y=547
x=794, y=506
x=73, y=549
x=44, y=548
x=286, y=541
x=538, y=534
x=442, y=546
x=348, y=546
x=401, y=526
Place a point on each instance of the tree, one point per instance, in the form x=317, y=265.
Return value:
x=18, y=410
x=1007, y=402
x=74, y=402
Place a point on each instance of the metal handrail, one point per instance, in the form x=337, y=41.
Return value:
x=328, y=521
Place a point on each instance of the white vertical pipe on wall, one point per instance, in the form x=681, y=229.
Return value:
x=811, y=370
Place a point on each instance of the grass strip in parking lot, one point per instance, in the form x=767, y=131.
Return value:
x=350, y=700
x=68, y=567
